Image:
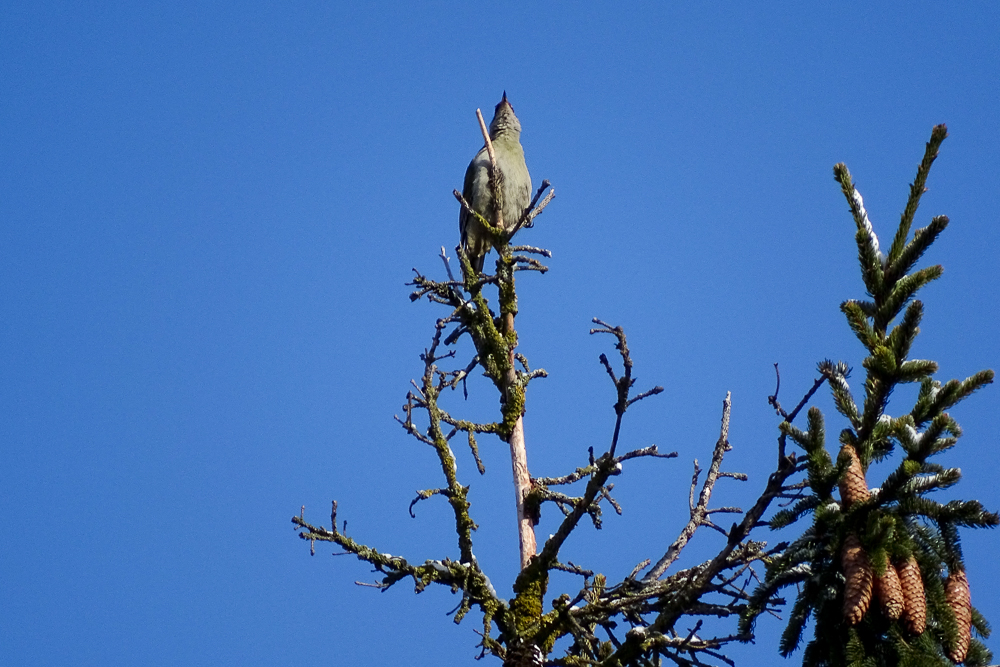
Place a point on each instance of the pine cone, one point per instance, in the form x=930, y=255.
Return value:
x=890, y=593
x=853, y=487
x=956, y=592
x=858, y=572
x=914, y=602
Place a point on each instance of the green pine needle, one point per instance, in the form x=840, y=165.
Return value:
x=903, y=334
x=902, y=291
x=922, y=239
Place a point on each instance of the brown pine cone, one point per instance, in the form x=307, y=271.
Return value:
x=853, y=487
x=956, y=592
x=914, y=602
x=889, y=592
x=858, y=572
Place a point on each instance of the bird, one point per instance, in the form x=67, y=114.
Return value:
x=505, y=135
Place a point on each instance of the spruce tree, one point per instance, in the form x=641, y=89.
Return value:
x=880, y=571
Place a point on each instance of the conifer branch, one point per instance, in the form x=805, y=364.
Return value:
x=868, y=250
x=870, y=528
x=917, y=189
x=914, y=250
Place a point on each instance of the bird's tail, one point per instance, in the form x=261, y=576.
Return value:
x=477, y=262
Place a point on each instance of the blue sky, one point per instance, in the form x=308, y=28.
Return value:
x=208, y=214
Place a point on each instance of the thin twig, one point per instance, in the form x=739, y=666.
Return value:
x=486, y=138
x=495, y=174
x=531, y=212
x=698, y=511
x=447, y=265
x=773, y=399
x=532, y=249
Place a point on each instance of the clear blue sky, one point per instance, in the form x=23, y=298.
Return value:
x=208, y=213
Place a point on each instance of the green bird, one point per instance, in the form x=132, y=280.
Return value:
x=505, y=134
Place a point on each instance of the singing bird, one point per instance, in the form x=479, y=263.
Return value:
x=505, y=135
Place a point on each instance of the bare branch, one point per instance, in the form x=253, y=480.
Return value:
x=530, y=213
x=638, y=568
x=424, y=495
x=531, y=249
x=537, y=211
x=646, y=394
x=573, y=569
x=698, y=511
x=486, y=138
x=447, y=265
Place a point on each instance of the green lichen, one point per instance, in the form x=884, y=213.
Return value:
x=528, y=603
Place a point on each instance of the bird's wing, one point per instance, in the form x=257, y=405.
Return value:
x=478, y=169
x=470, y=177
